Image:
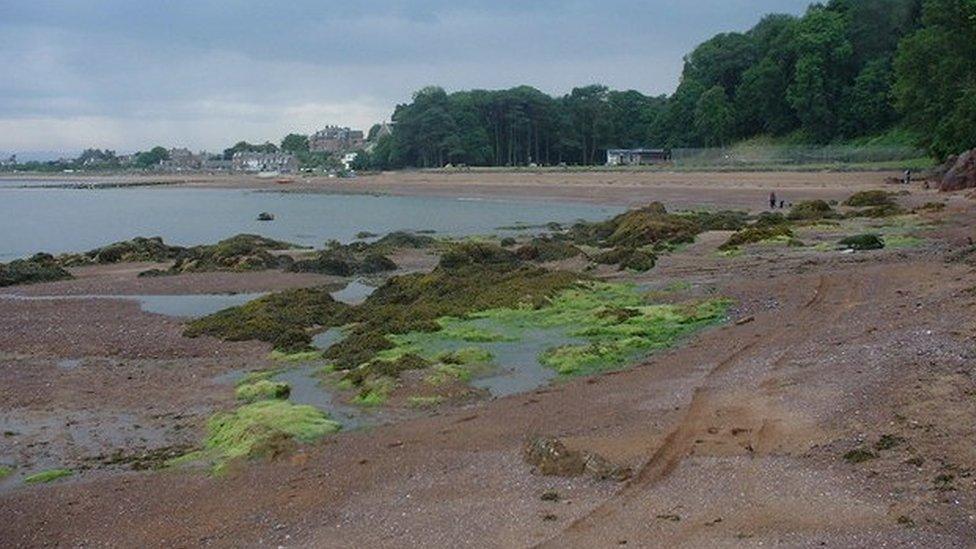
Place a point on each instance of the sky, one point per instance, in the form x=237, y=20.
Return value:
x=130, y=74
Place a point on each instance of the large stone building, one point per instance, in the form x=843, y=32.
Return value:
x=335, y=139
x=264, y=162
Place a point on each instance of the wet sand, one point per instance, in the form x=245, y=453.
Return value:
x=737, y=190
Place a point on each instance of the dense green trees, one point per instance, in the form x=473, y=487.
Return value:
x=151, y=157
x=846, y=69
x=295, y=143
x=935, y=72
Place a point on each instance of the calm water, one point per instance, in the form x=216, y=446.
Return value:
x=189, y=306
x=70, y=220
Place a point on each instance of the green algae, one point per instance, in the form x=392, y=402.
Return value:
x=896, y=241
x=470, y=277
x=300, y=356
x=615, y=323
x=375, y=391
x=5, y=471
x=48, y=476
x=262, y=389
x=262, y=428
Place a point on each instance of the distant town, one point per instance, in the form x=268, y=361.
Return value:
x=333, y=149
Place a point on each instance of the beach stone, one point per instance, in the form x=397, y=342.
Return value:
x=962, y=174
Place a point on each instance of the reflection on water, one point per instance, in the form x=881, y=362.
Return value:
x=186, y=306
x=69, y=220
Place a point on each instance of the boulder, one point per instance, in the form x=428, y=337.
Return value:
x=549, y=456
x=962, y=174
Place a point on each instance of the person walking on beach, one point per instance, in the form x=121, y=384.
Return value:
x=772, y=201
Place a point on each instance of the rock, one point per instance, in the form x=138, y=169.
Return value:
x=962, y=174
x=265, y=216
x=550, y=457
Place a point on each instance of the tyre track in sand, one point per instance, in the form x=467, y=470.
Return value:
x=830, y=299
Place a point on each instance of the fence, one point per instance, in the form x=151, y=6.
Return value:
x=792, y=155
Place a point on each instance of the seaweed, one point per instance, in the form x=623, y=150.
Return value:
x=869, y=198
x=39, y=268
x=243, y=252
x=470, y=277
x=281, y=319
x=724, y=220
x=812, y=210
x=863, y=242
x=859, y=455
x=647, y=226
x=628, y=259
x=151, y=249
x=754, y=234
x=544, y=249
x=340, y=261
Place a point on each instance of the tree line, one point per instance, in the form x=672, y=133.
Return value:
x=845, y=70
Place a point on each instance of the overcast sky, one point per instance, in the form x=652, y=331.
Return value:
x=128, y=74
